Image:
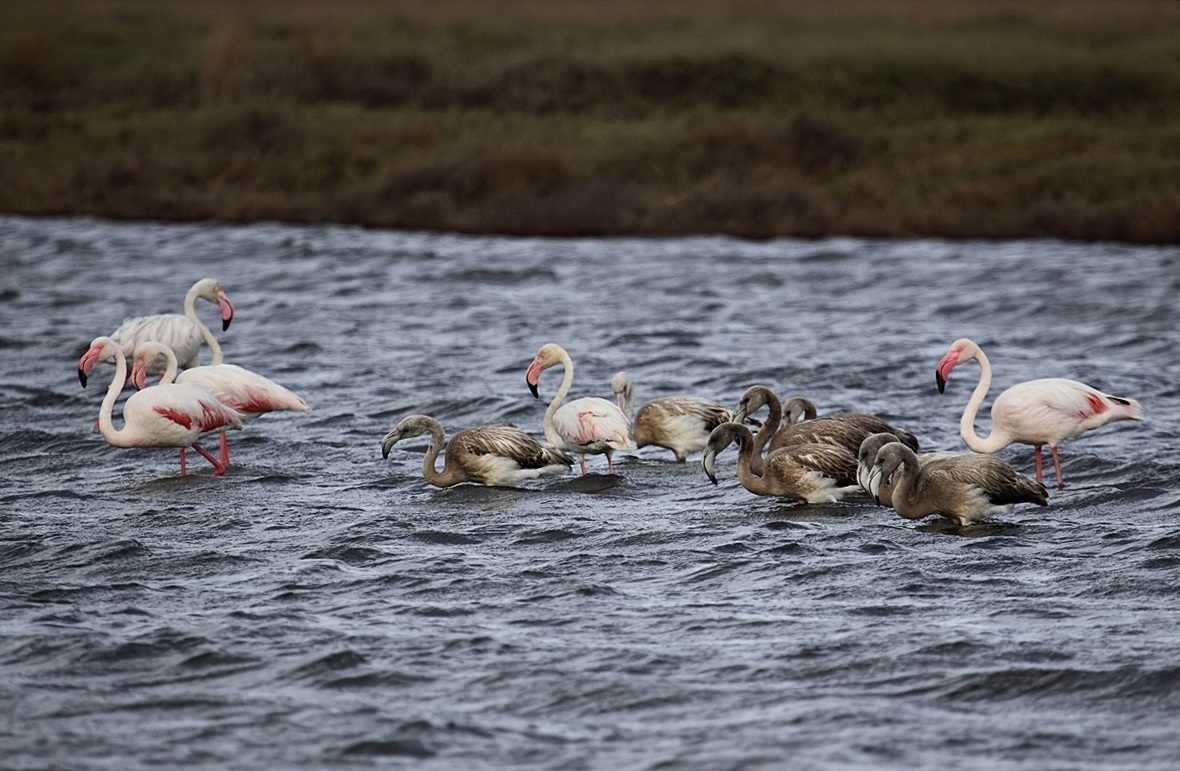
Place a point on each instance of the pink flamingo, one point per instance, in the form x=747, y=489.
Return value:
x=182, y=333
x=247, y=392
x=173, y=415
x=1037, y=412
x=586, y=425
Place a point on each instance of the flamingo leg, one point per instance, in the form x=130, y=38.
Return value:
x=183, y=469
x=582, y=464
x=218, y=469
x=1037, y=462
x=224, y=450
x=610, y=467
x=1056, y=467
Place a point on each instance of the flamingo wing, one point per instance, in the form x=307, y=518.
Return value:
x=244, y=390
x=178, y=332
x=592, y=422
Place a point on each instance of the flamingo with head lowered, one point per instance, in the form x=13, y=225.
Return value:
x=182, y=333
x=251, y=394
x=172, y=415
x=589, y=425
x=1037, y=412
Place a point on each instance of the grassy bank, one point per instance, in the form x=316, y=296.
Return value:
x=968, y=118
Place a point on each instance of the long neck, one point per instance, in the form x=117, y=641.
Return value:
x=567, y=380
x=904, y=481
x=449, y=475
x=626, y=401
x=170, y=369
x=190, y=310
x=747, y=452
x=106, y=423
x=770, y=427
x=993, y=441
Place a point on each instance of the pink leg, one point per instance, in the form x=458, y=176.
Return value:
x=1056, y=467
x=224, y=451
x=218, y=469
x=582, y=463
x=1037, y=461
x=182, y=464
x=610, y=466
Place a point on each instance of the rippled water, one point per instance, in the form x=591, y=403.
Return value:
x=320, y=607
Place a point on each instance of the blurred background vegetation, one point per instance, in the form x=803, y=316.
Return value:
x=956, y=118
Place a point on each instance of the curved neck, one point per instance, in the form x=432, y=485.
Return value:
x=626, y=401
x=993, y=441
x=567, y=380
x=190, y=311
x=106, y=423
x=170, y=368
x=448, y=475
x=748, y=448
x=770, y=427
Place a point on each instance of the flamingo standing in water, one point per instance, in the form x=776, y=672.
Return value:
x=488, y=455
x=247, y=392
x=182, y=333
x=171, y=415
x=585, y=425
x=964, y=488
x=1037, y=412
x=679, y=423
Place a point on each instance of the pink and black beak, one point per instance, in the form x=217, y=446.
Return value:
x=86, y=363
x=532, y=376
x=942, y=370
x=226, y=308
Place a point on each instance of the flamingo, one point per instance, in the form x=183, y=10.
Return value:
x=869, y=475
x=815, y=473
x=679, y=423
x=182, y=333
x=589, y=425
x=844, y=429
x=489, y=455
x=171, y=415
x=1037, y=412
x=251, y=394
x=965, y=488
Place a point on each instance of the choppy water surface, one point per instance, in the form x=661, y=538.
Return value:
x=320, y=607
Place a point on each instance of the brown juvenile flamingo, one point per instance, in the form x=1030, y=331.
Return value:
x=488, y=455
x=678, y=423
x=816, y=473
x=965, y=488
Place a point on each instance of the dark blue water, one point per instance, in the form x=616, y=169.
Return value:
x=319, y=607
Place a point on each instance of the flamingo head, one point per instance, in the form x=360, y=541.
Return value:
x=411, y=426
x=150, y=356
x=210, y=289
x=752, y=400
x=547, y=356
x=960, y=351
x=719, y=438
x=101, y=349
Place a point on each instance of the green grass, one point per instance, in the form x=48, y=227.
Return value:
x=957, y=119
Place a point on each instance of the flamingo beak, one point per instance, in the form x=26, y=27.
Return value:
x=226, y=308
x=86, y=363
x=707, y=461
x=942, y=370
x=138, y=375
x=387, y=444
x=532, y=375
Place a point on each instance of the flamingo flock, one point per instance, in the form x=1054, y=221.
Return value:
x=795, y=453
